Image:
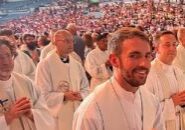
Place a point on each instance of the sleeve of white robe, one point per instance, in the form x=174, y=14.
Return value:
x=84, y=87
x=53, y=98
x=3, y=124
x=30, y=67
x=23, y=64
x=167, y=105
x=87, y=116
x=42, y=118
x=95, y=70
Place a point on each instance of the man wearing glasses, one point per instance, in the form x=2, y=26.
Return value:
x=62, y=80
x=21, y=106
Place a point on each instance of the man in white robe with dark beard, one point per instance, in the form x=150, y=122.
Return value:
x=21, y=105
x=179, y=60
x=166, y=81
x=62, y=80
x=119, y=103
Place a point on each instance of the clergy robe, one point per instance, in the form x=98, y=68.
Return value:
x=23, y=64
x=95, y=66
x=179, y=60
x=20, y=86
x=46, y=50
x=110, y=107
x=164, y=81
x=51, y=74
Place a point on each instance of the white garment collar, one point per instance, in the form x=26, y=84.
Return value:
x=7, y=83
x=165, y=67
x=129, y=96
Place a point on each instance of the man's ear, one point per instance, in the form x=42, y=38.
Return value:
x=156, y=48
x=115, y=62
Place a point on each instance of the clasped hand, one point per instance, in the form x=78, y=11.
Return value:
x=19, y=108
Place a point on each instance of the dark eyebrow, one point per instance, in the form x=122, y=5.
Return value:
x=135, y=52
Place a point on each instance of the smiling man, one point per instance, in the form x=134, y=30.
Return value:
x=167, y=81
x=120, y=103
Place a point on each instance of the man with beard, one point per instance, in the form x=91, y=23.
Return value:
x=21, y=105
x=167, y=82
x=120, y=103
x=30, y=47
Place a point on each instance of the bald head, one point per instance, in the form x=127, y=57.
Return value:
x=63, y=40
x=61, y=34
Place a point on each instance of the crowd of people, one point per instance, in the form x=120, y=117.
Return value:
x=67, y=70
x=115, y=15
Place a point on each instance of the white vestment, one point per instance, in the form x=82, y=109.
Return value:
x=23, y=64
x=179, y=60
x=164, y=81
x=95, y=66
x=46, y=50
x=52, y=75
x=110, y=107
x=19, y=86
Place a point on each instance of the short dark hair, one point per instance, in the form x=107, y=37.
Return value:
x=27, y=35
x=6, y=43
x=162, y=33
x=101, y=36
x=118, y=37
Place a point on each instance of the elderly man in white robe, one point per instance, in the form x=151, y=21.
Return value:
x=179, y=60
x=23, y=64
x=62, y=80
x=97, y=62
x=47, y=50
x=120, y=103
x=21, y=105
x=166, y=81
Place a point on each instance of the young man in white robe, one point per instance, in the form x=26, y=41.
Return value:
x=62, y=80
x=120, y=103
x=166, y=81
x=23, y=64
x=21, y=105
x=97, y=63
x=179, y=60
